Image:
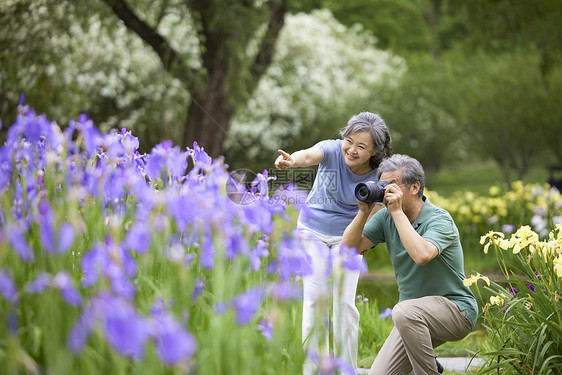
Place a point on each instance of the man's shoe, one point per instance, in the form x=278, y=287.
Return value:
x=439, y=366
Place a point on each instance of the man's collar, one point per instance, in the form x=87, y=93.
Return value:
x=424, y=214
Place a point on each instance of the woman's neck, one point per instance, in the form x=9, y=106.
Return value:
x=361, y=169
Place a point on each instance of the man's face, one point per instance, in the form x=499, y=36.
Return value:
x=392, y=177
x=395, y=177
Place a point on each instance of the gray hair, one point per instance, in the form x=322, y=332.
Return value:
x=412, y=170
x=374, y=124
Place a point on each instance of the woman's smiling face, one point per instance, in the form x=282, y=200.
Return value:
x=357, y=149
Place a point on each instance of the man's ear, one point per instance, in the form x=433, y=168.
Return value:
x=415, y=188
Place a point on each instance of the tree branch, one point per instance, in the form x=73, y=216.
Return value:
x=167, y=54
x=267, y=47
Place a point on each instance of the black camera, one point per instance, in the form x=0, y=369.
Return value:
x=370, y=191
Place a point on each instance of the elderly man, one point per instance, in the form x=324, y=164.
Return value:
x=424, y=247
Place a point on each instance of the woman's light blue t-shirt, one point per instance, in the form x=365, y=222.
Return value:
x=331, y=203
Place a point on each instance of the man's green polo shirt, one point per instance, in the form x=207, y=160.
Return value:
x=443, y=275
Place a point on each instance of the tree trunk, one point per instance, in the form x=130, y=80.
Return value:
x=208, y=119
x=210, y=109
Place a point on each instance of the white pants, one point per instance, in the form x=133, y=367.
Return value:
x=329, y=281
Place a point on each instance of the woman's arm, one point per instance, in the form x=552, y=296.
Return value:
x=301, y=158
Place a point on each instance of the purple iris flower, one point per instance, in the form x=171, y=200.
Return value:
x=129, y=141
x=41, y=282
x=30, y=126
x=207, y=255
x=221, y=307
x=293, y=261
x=183, y=209
x=112, y=144
x=138, y=238
x=113, y=187
x=247, y=305
x=531, y=287
x=8, y=287
x=82, y=328
x=154, y=165
x=126, y=331
x=91, y=135
x=266, y=328
x=166, y=158
x=330, y=365
x=119, y=282
x=236, y=244
x=386, y=313
x=66, y=237
x=260, y=183
x=259, y=251
x=352, y=261
x=53, y=242
x=5, y=166
x=176, y=162
x=20, y=245
x=287, y=290
x=173, y=343
x=158, y=307
x=258, y=216
x=114, y=263
x=47, y=234
x=188, y=259
x=94, y=262
x=201, y=159
x=63, y=282
x=198, y=288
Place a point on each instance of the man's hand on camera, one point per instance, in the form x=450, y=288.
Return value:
x=393, y=198
x=284, y=160
x=366, y=207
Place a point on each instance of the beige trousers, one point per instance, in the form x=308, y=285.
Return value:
x=420, y=325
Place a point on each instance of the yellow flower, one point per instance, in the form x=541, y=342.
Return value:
x=524, y=237
x=494, y=190
x=517, y=185
x=474, y=279
x=496, y=300
x=494, y=238
x=558, y=266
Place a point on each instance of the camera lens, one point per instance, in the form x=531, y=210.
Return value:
x=370, y=191
x=363, y=192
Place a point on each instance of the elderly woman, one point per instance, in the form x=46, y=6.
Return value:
x=331, y=206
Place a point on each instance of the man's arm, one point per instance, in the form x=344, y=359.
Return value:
x=353, y=234
x=421, y=251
